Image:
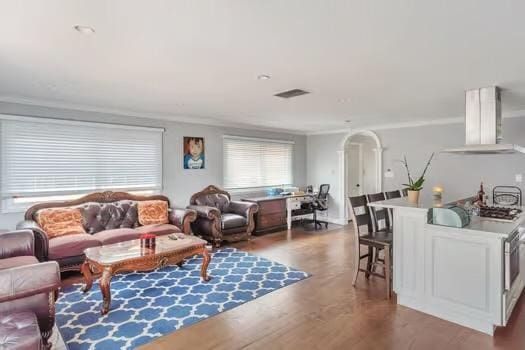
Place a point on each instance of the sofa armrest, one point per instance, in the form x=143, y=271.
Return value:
x=28, y=280
x=203, y=211
x=40, y=236
x=17, y=243
x=182, y=218
x=246, y=209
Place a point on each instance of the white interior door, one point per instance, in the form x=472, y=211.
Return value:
x=354, y=169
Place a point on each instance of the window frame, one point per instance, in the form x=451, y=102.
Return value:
x=240, y=190
x=10, y=205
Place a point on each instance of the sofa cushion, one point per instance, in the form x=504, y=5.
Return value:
x=153, y=212
x=116, y=235
x=19, y=331
x=60, y=221
x=230, y=221
x=159, y=229
x=17, y=261
x=71, y=245
x=108, y=216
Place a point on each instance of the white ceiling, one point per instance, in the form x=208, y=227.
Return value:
x=373, y=62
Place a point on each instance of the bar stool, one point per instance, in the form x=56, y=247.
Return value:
x=392, y=195
x=374, y=240
x=380, y=216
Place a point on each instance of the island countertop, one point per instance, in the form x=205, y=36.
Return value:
x=501, y=228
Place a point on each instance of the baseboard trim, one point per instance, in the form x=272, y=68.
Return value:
x=337, y=221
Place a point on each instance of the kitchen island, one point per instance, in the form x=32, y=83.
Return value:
x=457, y=274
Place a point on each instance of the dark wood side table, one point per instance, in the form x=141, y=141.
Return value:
x=271, y=215
x=130, y=256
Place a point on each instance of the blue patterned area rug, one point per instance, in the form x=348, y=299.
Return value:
x=146, y=305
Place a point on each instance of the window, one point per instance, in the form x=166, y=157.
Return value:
x=251, y=162
x=48, y=158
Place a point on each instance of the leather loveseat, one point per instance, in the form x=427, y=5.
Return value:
x=107, y=217
x=28, y=290
x=221, y=219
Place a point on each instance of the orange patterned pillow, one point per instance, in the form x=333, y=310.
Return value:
x=60, y=221
x=153, y=212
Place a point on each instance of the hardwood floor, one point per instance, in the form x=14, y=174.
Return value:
x=326, y=312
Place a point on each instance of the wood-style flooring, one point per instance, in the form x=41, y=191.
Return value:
x=326, y=312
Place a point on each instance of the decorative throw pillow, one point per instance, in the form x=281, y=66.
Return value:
x=153, y=212
x=60, y=221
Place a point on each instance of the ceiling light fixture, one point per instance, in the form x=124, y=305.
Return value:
x=84, y=29
x=263, y=77
x=347, y=121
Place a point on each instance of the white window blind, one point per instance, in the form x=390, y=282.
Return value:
x=251, y=162
x=50, y=157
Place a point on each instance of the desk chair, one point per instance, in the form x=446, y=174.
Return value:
x=320, y=203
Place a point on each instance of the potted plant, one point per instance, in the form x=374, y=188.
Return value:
x=414, y=186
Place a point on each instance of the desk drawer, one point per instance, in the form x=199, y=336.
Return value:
x=271, y=220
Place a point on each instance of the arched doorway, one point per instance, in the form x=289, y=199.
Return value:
x=361, y=168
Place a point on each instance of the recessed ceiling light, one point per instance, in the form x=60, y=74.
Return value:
x=347, y=121
x=263, y=77
x=343, y=100
x=84, y=29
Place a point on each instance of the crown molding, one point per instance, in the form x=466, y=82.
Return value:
x=220, y=123
x=411, y=124
x=142, y=114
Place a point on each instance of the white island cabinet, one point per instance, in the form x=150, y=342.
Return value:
x=457, y=274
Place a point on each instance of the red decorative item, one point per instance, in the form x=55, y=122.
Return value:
x=147, y=240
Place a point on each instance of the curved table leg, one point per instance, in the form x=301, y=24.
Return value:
x=205, y=262
x=88, y=277
x=105, y=281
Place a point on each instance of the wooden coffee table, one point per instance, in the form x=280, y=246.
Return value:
x=129, y=256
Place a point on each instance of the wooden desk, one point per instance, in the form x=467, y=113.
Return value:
x=275, y=212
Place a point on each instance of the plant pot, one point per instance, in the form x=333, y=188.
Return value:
x=413, y=196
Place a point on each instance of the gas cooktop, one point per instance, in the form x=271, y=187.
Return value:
x=499, y=213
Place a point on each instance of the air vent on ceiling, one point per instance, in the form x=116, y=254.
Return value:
x=291, y=93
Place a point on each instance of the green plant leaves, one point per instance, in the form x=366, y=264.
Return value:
x=418, y=184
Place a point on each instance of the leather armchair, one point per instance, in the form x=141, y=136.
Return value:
x=182, y=218
x=41, y=239
x=28, y=291
x=221, y=219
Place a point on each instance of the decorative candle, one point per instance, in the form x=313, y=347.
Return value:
x=437, y=191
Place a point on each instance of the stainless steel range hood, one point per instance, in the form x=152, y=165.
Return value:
x=483, y=124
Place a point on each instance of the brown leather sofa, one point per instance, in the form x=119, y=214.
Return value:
x=108, y=217
x=221, y=219
x=28, y=290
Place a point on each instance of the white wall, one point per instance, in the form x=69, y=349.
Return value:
x=179, y=184
x=460, y=175
x=323, y=166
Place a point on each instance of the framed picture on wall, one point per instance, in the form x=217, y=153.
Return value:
x=193, y=152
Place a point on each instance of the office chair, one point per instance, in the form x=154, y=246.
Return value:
x=320, y=203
